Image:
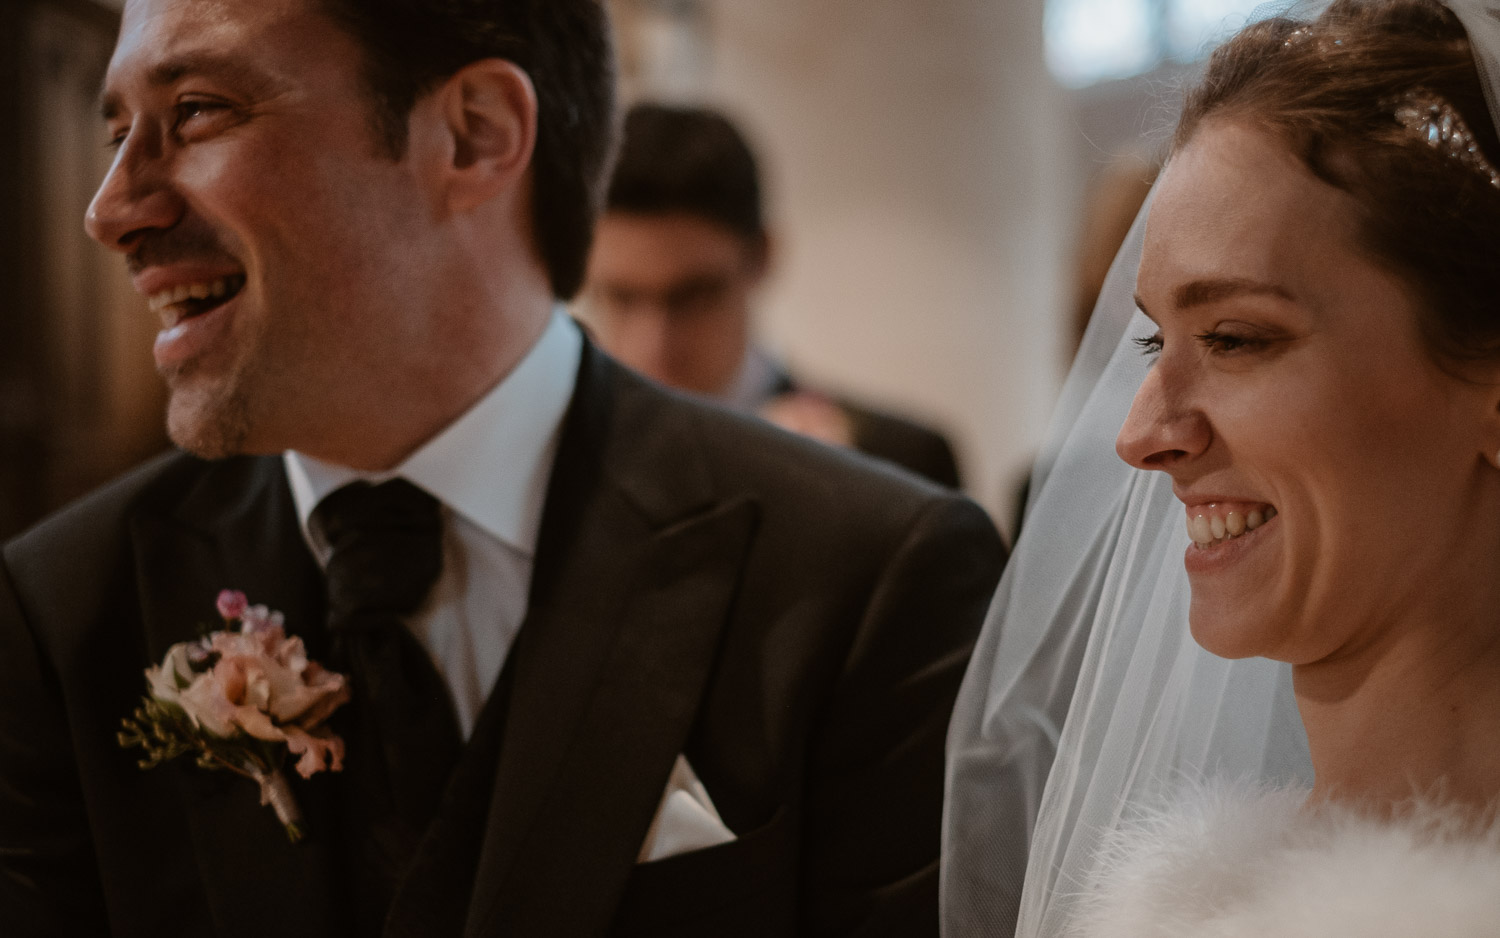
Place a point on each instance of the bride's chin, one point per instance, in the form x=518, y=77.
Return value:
x=1237, y=633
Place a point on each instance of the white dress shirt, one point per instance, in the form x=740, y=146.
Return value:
x=489, y=469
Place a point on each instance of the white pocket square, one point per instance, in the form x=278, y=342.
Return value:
x=685, y=820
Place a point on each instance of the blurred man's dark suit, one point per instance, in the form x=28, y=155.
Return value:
x=910, y=445
x=792, y=619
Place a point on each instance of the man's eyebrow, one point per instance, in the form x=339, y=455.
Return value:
x=1201, y=292
x=170, y=71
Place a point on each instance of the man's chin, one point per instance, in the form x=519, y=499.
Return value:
x=209, y=429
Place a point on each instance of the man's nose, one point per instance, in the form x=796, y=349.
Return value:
x=135, y=197
x=1162, y=431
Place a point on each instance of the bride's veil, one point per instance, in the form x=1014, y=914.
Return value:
x=1086, y=694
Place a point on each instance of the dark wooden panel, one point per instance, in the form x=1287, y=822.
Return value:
x=78, y=399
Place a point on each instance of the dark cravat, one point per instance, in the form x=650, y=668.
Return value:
x=403, y=736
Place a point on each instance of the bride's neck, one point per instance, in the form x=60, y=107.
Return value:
x=1419, y=717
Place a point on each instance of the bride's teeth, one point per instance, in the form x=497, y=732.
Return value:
x=1200, y=530
x=1211, y=525
x=219, y=287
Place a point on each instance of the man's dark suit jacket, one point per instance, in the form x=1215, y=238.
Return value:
x=793, y=619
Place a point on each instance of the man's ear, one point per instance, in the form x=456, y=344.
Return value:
x=488, y=111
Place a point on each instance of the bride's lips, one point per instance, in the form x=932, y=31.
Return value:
x=195, y=305
x=1224, y=530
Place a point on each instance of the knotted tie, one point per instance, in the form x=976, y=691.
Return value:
x=387, y=552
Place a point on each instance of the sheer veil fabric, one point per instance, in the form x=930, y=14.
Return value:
x=1087, y=696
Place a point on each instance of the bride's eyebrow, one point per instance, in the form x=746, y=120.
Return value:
x=1141, y=305
x=1201, y=292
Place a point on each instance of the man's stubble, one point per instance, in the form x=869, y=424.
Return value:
x=213, y=422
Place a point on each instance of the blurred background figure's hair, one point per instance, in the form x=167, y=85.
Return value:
x=687, y=159
x=1114, y=199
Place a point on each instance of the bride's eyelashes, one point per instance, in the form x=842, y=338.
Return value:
x=1215, y=341
x=1150, y=345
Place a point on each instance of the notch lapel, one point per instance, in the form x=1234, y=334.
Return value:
x=237, y=528
x=638, y=564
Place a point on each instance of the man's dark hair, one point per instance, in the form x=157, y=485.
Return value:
x=677, y=159
x=411, y=46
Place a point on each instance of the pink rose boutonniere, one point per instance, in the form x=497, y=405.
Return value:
x=243, y=699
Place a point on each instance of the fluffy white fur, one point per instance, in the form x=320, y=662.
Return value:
x=1227, y=862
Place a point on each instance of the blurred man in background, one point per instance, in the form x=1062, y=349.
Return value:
x=678, y=258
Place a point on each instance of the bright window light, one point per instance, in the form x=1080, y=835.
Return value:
x=1194, y=27
x=1096, y=40
x=1092, y=40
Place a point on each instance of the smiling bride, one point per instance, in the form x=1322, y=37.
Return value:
x=1319, y=306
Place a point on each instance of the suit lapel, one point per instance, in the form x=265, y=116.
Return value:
x=237, y=529
x=636, y=568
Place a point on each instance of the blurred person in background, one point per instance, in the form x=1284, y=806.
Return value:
x=679, y=256
x=1113, y=201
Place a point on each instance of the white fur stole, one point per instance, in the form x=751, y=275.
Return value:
x=1242, y=862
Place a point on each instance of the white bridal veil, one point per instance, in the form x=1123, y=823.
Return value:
x=1086, y=694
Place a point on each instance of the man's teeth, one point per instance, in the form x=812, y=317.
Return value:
x=193, y=291
x=1211, y=525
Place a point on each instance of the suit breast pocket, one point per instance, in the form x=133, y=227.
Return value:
x=747, y=886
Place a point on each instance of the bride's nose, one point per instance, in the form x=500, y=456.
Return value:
x=1160, y=432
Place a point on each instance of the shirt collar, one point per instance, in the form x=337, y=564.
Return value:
x=492, y=464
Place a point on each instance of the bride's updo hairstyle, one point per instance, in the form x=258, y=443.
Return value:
x=1333, y=89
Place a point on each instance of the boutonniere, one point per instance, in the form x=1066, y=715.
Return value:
x=243, y=699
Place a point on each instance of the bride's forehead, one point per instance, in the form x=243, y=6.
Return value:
x=1234, y=201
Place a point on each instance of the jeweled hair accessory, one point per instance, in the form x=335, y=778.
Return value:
x=1436, y=122
x=1309, y=34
